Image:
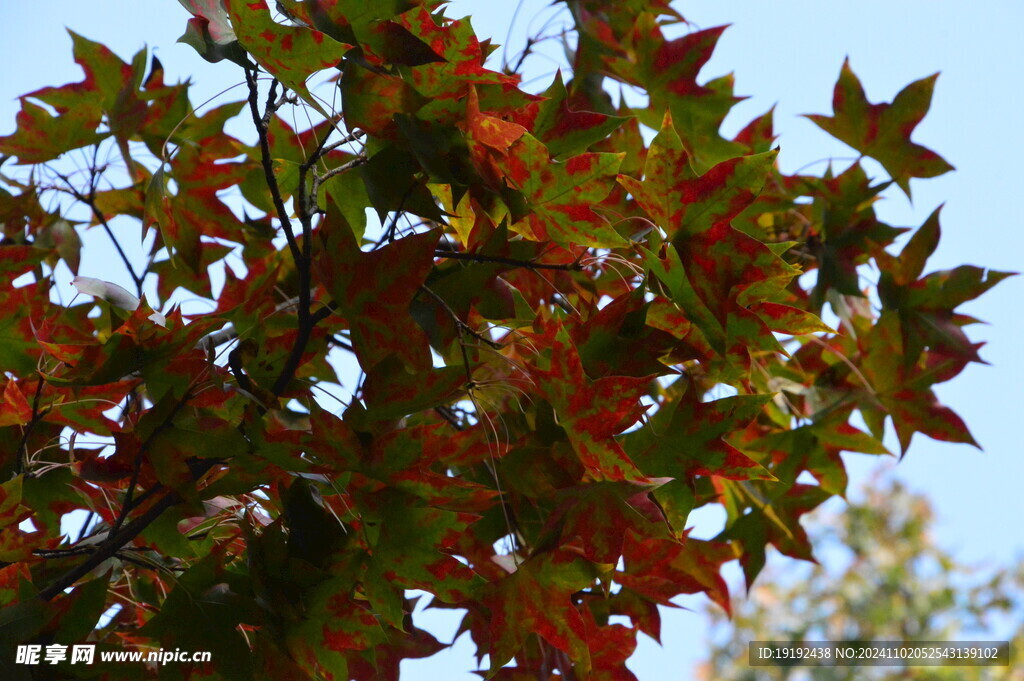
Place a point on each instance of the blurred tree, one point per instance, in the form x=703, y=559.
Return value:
x=882, y=578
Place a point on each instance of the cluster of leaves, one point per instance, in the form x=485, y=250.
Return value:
x=892, y=583
x=541, y=323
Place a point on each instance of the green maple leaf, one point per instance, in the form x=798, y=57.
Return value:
x=882, y=131
x=290, y=54
x=686, y=438
x=927, y=305
x=373, y=291
x=773, y=519
x=445, y=82
x=591, y=412
x=593, y=518
x=561, y=194
x=686, y=203
x=691, y=439
x=904, y=390
x=411, y=545
x=668, y=70
x=535, y=599
x=564, y=130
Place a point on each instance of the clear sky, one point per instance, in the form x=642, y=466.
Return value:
x=785, y=52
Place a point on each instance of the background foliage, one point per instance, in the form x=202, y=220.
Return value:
x=570, y=335
x=890, y=581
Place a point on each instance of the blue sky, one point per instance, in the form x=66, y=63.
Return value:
x=785, y=53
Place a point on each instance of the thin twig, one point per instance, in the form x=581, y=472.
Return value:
x=527, y=51
x=320, y=179
x=85, y=526
x=114, y=544
x=90, y=201
x=21, y=464
x=575, y=266
x=127, y=505
x=460, y=325
x=347, y=139
x=341, y=343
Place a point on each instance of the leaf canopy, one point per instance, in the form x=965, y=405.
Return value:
x=461, y=337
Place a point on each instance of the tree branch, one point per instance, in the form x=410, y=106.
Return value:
x=114, y=543
x=230, y=333
x=21, y=463
x=320, y=179
x=574, y=266
x=90, y=201
x=344, y=140
x=261, y=122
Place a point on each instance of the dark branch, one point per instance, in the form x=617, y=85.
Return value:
x=522, y=56
x=110, y=547
x=128, y=505
x=90, y=201
x=344, y=140
x=22, y=462
x=341, y=343
x=574, y=266
x=261, y=122
x=320, y=179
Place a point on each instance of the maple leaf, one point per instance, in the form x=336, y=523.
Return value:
x=594, y=518
x=196, y=210
x=564, y=130
x=926, y=305
x=691, y=442
x=727, y=276
x=536, y=599
x=848, y=231
x=210, y=33
x=626, y=337
x=561, y=196
x=16, y=409
x=661, y=569
x=410, y=550
x=413, y=643
x=592, y=412
x=43, y=137
x=668, y=70
x=373, y=291
x=813, y=448
x=774, y=518
x=202, y=610
x=445, y=82
x=369, y=25
x=113, y=92
x=685, y=203
x=371, y=99
x=610, y=646
x=904, y=390
x=290, y=54
x=691, y=438
x=489, y=139
x=882, y=131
